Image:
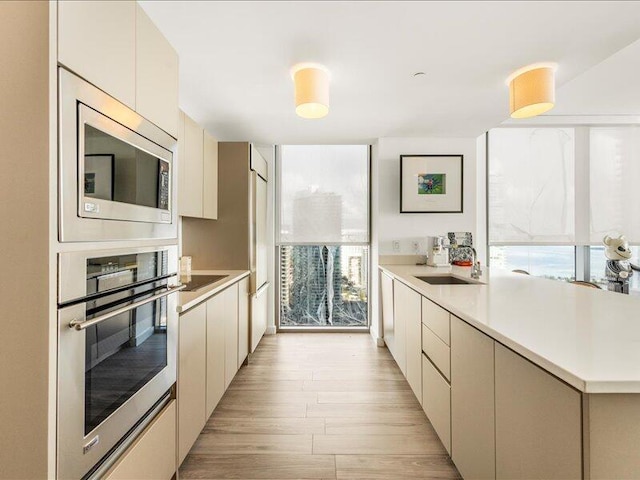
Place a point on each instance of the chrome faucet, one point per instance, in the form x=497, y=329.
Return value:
x=476, y=270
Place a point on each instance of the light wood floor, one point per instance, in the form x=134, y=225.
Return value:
x=318, y=406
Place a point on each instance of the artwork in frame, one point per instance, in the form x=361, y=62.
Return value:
x=431, y=183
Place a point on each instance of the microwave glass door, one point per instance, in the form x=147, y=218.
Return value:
x=124, y=353
x=122, y=175
x=119, y=172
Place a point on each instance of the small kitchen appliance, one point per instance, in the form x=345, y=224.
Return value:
x=439, y=254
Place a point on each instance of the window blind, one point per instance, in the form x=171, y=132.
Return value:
x=614, y=182
x=531, y=186
x=323, y=194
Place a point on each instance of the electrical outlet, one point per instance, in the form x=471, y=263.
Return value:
x=396, y=245
x=416, y=246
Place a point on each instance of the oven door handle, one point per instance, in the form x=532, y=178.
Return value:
x=83, y=324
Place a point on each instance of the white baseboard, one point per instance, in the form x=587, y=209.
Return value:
x=380, y=342
x=271, y=330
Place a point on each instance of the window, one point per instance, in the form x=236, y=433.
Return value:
x=555, y=262
x=549, y=208
x=323, y=236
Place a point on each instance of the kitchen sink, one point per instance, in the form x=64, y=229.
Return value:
x=445, y=280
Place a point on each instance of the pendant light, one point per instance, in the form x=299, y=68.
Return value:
x=532, y=90
x=311, y=89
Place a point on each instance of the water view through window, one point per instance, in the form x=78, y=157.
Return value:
x=324, y=285
x=555, y=262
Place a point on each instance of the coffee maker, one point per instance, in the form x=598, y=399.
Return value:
x=439, y=253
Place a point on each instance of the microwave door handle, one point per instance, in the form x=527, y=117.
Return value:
x=83, y=324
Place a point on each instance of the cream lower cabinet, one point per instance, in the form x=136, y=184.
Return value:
x=153, y=455
x=472, y=401
x=230, y=296
x=411, y=310
x=216, y=339
x=386, y=309
x=243, y=320
x=538, y=422
x=399, y=350
x=436, y=401
x=192, y=376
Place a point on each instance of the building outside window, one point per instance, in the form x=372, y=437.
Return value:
x=323, y=230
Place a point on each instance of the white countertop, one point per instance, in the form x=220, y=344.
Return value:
x=187, y=300
x=589, y=338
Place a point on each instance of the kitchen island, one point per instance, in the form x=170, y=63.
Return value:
x=524, y=377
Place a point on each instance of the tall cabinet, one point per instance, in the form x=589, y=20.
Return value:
x=237, y=240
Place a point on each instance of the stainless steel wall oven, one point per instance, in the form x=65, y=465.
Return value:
x=116, y=169
x=117, y=328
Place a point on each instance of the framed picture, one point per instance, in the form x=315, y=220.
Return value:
x=431, y=183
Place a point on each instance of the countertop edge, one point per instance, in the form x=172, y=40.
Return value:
x=188, y=300
x=580, y=384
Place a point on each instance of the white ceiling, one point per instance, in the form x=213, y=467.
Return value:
x=235, y=59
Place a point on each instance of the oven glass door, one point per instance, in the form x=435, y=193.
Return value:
x=123, y=176
x=123, y=353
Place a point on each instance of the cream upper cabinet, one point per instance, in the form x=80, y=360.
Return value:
x=97, y=41
x=386, y=309
x=472, y=401
x=399, y=351
x=156, y=68
x=191, y=166
x=538, y=422
x=198, y=185
x=192, y=375
x=210, y=178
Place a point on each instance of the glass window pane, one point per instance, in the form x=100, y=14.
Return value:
x=324, y=193
x=555, y=262
x=324, y=285
x=531, y=185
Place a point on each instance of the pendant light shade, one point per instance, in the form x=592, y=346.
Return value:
x=532, y=90
x=311, y=90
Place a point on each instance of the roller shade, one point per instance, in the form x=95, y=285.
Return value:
x=614, y=182
x=531, y=186
x=323, y=194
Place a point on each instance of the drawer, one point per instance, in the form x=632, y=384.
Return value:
x=437, y=319
x=436, y=402
x=153, y=455
x=437, y=351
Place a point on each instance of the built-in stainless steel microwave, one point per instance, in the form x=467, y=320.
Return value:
x=116, y=169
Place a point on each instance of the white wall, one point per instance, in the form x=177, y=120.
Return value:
x=389, y=225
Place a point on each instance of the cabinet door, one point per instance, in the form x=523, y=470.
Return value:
x=399, y=330
x=210, y=177
x=215, y=351
x=538, y=422
x=436, y=401
x=153, y=455
x=96, y=40
x=156, y=75
x=243, y=320
x=386, y=308
x=192, y=168
x=191, y=377
x=472, y=401
x=230, y=333
x=413, y=328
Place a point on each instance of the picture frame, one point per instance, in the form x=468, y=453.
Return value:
x=98, y=175
x=431, y=183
